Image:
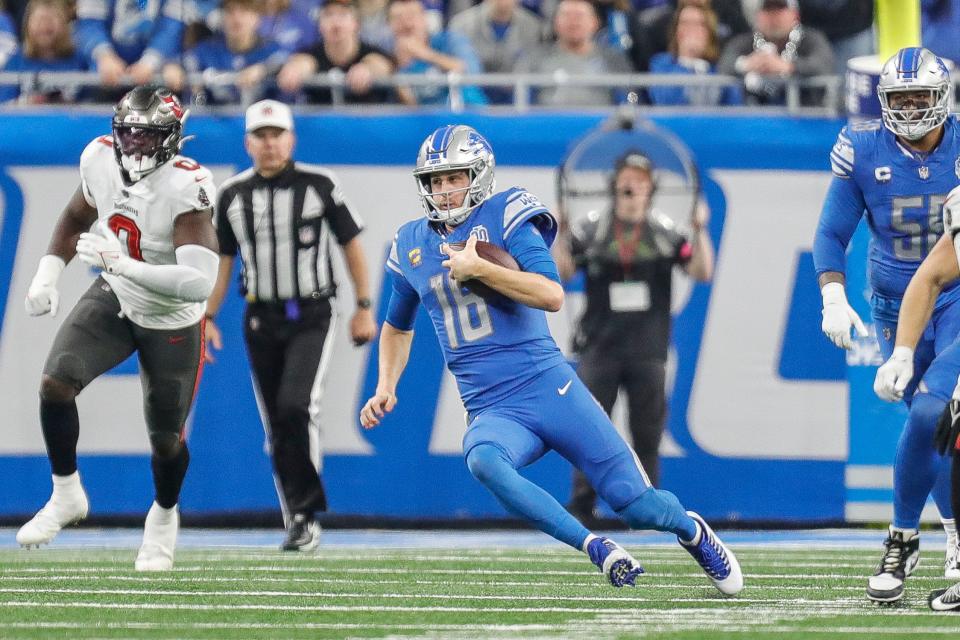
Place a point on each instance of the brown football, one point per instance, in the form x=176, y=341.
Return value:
x=491, y=253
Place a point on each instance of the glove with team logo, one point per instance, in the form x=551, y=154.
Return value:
x=948, y=427
x=839, y=316
x=894, y=375
x=102, y=250
x=42, y=296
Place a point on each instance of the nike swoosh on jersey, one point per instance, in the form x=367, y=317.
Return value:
x=563, y=390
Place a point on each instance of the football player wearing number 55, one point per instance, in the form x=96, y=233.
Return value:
x=521, y=396
x=156, y=248
x=899, y=171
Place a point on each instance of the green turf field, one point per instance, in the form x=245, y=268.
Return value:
x=546, y=592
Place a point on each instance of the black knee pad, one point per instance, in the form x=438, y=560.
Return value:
x=165, y=445
x=55, y=390
x=164, y=393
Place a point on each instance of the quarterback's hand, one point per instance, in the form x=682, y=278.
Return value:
x=362, y=327
x=948, y=427
x=102, y=250
x=839, y=316
x=894, y=375
x=465, y=263
x=376, y=407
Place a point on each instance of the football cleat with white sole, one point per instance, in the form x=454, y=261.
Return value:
x=951, y=562
x=715, y=558
x=945, y=599
x=159, y=539
x=901, y=555
x=614, y=562
x=67, y=505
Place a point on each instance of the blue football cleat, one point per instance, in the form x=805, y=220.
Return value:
x=717, y=561
x=614, y=562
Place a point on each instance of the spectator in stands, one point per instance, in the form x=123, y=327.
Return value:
x=416, y=51
x=848, y=25
x=292, y=24
x=780, y=49
x=374, y=27
x=502, y=33
x=940, y=20
x=47, y=46
x=8, y=36
x=694, y=49
x=650, y=34
x=239, y=49
x=576, y=52
x=128, y=38
x=340, y=48
x=543, y=8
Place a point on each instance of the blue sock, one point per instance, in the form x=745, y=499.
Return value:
x=659, y=510
x=493, y=469
x=917, y=465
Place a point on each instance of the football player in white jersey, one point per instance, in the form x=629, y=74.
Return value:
x=155, y=243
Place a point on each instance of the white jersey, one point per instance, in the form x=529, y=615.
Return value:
x=142, y=215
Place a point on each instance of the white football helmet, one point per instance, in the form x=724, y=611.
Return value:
x=914, y=69
x=451, y=148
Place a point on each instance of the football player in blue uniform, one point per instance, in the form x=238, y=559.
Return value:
x=938, y=270
x=899, y=171
x=521, y=396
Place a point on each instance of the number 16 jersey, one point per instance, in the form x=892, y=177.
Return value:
x=143, y=215
x=493, y=346
x=902, y=192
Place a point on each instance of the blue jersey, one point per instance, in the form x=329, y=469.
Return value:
x=493, y=346
x=214, y=54
x=901, y=191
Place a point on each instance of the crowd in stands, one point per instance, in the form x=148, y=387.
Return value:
x=222, y=52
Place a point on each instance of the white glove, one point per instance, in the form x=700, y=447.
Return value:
x=42, y=296
x=102, y=250
x=839, y=316
x=894, y=375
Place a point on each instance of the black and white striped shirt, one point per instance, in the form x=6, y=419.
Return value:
x=282, y=226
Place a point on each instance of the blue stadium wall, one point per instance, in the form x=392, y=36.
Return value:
x=760, y=411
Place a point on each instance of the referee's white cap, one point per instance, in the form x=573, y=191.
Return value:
x=269, y=113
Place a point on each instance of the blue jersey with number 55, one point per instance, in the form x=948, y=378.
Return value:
x=493, y=345
x=902, y=193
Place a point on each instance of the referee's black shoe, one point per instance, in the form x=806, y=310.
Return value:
x=303, y=534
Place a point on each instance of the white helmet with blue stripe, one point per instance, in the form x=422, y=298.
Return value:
x=453, y=148
x=914, y=69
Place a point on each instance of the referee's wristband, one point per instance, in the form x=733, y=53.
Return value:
x=364, y=303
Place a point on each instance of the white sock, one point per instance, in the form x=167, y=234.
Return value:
x=68, y=483
x=907, y=533
x=161, y=514
x=586, y=543
x=950, y=526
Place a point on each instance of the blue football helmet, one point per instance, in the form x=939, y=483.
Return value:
x=452, y=148
x=914, y=69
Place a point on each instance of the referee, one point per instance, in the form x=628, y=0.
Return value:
x=280, y=216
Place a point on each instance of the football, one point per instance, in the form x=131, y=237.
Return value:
x=491, y=253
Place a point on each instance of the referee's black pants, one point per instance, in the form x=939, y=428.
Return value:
x=286, y=342
x=605, y=372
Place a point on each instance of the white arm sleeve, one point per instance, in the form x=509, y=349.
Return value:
x=191, y=279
